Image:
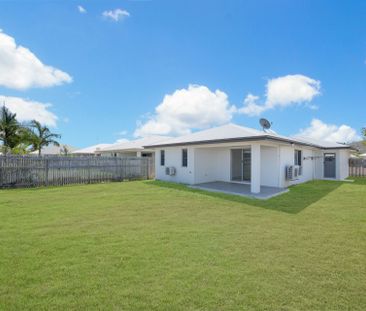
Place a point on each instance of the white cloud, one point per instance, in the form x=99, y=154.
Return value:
x=196, y=107
x=329, y=132
x=283, y=92
x=20, y=69
x=115, y=15
x=81, y=9
x=251, y=108
x=27, y=110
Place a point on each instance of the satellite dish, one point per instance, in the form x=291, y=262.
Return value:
x=265, y=124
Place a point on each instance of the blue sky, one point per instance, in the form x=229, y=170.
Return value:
x=116, y=69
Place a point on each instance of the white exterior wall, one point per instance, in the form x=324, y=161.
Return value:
x=342, y=165
x=312, y=164
x=318, y=164
x=270, y=173
x=119, y=154
x=344, y=156
x=286, y=157
x=213, y=163
x=173, y=158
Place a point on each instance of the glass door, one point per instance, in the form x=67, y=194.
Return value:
x=247, y=164
x=329, y=165
x=236, y=165
x=241, y=164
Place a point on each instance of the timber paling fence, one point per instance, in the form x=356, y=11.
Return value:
x=357, y=167
x=35, y=171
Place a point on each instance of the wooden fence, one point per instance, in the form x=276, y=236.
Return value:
x=357, y=167
x=34, y=171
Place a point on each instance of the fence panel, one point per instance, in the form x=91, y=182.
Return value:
x=34, y=171
x=357, y=167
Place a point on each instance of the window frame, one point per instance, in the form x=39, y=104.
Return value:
x=184, y=157
x=162, y=157
x=298, y=158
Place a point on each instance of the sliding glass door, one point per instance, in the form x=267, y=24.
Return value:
x=240, y=164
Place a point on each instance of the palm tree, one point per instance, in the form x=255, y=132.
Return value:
x=41, y=136
x=9, y=130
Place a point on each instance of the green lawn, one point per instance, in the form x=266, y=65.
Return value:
x=156, y=246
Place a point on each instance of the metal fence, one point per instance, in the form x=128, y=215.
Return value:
x=357, y=167
x=34, y=171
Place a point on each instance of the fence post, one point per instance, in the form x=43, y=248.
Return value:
x=148, y=175
x=1, y=172
x=89, y=170
x=116, y=170
x=46, y=171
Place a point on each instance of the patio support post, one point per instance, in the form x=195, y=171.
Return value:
x=255, y=184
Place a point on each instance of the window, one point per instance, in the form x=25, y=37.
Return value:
x=184, y=157
x=162, y=157
x=298, y=157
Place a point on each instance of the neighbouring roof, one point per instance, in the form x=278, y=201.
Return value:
x=54, y=150
x=90, y=149
x=360, y=146
x=232, y=132
x=135, y=145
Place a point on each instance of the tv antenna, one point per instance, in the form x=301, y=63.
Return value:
x=265, y=124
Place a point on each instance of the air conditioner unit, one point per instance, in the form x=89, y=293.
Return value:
x=293, y=172
x=297, y=172
x=171, y=171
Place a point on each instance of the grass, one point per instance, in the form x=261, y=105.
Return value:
x=157, y=246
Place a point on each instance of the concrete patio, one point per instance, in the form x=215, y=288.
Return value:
x=240, y=189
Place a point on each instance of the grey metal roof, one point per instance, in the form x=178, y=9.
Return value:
x=233, y=132
x=90, y=149
x=135, y=145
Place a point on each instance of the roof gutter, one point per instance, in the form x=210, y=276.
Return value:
x=239, y=139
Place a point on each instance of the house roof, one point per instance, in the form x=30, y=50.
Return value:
x=90, y=149
x=135, y=145
x=54, y=150
x=232, y=132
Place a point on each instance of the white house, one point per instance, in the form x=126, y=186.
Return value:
x=255, y=159
x=134, y=148
x=91, y=150
x=55, y=150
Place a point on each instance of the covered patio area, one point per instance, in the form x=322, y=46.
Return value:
x=241, y=189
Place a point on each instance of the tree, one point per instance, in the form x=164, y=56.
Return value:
x=10, y=130
x=64, y=150
x=41, y=136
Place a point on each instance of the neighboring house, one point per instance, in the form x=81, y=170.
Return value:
x=55, y=150
x=237, y=154
x=89, y=151
x=134, y=148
